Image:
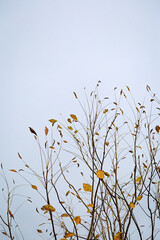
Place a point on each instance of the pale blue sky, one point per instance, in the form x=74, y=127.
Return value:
x=48, y=49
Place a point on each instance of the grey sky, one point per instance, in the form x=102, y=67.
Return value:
x=48, y=49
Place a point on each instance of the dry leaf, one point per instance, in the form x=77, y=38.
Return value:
x=34, y=187
x=100, y=174
x=49, y=208
x=132, y=205
x=87, y=187
x=118, y=236
x=107, y=174
x=105, y=111
x=157, y=128
x=73, y=117
x=138, y=180
x=53, y=121
x=77, y=219
x=128, y=88
x=10, y=213
x=19, y=156
x=139, y=198
x=90, y=205
x=70, y=234
x=67, y=192
x=64, y=215
x=69, y=120
x=70, y=128
x=32, y=131
x=46, y=131
x=12, y=170
x=75, y=95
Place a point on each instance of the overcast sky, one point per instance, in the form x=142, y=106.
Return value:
x=48, y=49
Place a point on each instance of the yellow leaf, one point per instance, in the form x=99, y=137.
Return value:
x=100, y=174
x=118, y=236
x=70, y=128
x=46, y=131
x=90, y=205
x=52, y=121
x=139, y=198
x=75, y=131
x=88, y=211
x=39, y=230
x=105, y=111
x=64, y=215
x=34, y=187
x=65, y=141
x=70, y=234
x=132, y=205
x=4, y=233
x=73, y=117
x=26, y=166
x=13, y=170
x=96, y=133
x=138, y=180
x=107, y=143
x=49, y=208
x=87, y=187
x=97, y=236
x=77, y=219
x=59, y=126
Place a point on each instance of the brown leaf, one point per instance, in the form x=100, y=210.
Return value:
x=34, y=187
x=19, y=156
x=32, y=131
x=75, y=95
x=46, y=131
x=157, y=128
x=67, y=192
x=74, y=117
x=10, y=213
x=105, y=111
x=12, y=170
x=70, y=128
